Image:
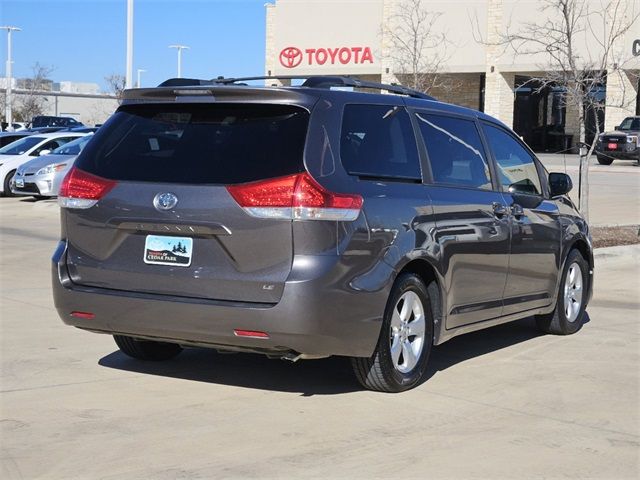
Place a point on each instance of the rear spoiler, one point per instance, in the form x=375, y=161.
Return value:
x=209, y=93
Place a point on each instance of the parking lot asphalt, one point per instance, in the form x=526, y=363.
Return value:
x=614, y=190
x=506, y=402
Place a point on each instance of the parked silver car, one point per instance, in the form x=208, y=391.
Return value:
x=42, y=176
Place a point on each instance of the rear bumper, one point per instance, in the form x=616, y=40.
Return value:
x=320, y=313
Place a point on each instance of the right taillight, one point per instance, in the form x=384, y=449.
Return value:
x=295, y=197
x=81, y=189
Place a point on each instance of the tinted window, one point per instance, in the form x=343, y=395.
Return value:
x=52, y=145
x=378, y=141
x=20, y=146
x=40, y=122
x=7, y=139
x=630, y=123
x=74, y=147
x=455, y=151
x=198, y=144
x=516, y=167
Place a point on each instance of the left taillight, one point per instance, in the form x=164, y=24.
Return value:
x=295, y=197
x=81, y=189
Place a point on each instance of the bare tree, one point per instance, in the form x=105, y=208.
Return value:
x=417, y=49
x=564, y=29
x=116, y=83
x=32, y=99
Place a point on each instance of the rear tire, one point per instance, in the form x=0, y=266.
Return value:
x=147, y=350
x=7, y=184
x=406, y=338
x=568, y=316
x=605, y=160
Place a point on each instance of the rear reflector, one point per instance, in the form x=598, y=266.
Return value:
x=80, y=189
x=85, y=315
x=250, y=333
x=295, y=197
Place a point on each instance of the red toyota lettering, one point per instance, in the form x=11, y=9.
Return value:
x=321, y=56
x=356, y=54
x=291, y=57
x=332, y=54
x=366, y=55
x=310, y=52
x=345, y=55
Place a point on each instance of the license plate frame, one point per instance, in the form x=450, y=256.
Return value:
x=168, y=250
x=19, y=183
x=612, y=146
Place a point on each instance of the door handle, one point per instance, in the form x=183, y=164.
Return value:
x=499, y=210
x=517, y=211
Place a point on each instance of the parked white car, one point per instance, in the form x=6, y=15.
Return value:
x=42, y=176
x=15, y=127
x=25, y=149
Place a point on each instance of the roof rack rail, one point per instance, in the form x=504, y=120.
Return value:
x=323, y=81
x=310, y=81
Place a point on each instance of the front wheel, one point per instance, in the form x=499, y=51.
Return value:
x=568, y=316
x=146, y=350
x=7, y=184
x=605, y=160
x=406, y=338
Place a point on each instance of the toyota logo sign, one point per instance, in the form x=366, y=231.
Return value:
x=290, y=57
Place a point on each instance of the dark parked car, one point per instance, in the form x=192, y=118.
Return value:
x=304, y=222
x=51, y=121
x=622, y=143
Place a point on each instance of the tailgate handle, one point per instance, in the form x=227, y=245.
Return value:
x=172, y=228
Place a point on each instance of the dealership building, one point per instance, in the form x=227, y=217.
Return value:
x=354, y=37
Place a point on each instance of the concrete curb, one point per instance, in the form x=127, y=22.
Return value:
x=605, y=253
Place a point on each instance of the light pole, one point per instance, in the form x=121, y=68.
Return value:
x=140, y=70
x=129, y=75
x=9, y=111
x=179, y=48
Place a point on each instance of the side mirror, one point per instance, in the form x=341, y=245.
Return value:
x=559, y=184
x=617, y=127
x=44, y=152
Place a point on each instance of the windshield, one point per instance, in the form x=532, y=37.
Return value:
x=630, y=123
x=21, y=146
x=72, y=148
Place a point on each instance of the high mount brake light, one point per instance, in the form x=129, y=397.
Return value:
x=80, y=189
x=295, y=197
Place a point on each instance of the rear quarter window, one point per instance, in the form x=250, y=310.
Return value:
x=198, y=143
x=377, y=141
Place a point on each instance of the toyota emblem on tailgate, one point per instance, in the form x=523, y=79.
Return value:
x=165, y=201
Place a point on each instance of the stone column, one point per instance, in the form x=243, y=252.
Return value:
x=386, y=72
x=621, y=98
x=271, y=56
x=498, y=96
x=572, y=121
x=622, y=70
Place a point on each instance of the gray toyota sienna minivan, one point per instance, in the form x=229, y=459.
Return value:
x=303, y=222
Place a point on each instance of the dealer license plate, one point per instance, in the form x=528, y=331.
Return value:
x=612, y=146
x=162, y=250
x=19, y=182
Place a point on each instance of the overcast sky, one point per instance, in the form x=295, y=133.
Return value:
x=85, y=40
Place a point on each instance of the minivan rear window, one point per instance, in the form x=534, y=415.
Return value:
x=198, y=143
